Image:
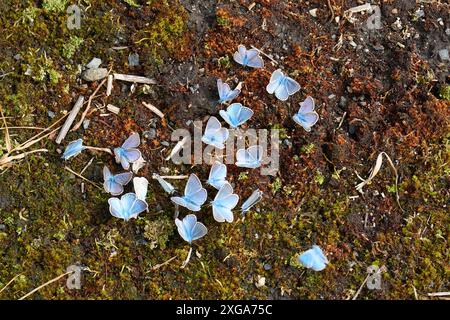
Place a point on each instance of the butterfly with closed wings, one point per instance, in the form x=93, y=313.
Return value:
x=113, y=183
x=224, y=203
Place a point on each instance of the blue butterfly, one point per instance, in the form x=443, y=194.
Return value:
x=73, y=149
x=250, y=158
x=113, y=183
x=225, y=92
x=236, y=114
x=313, y=259
x=306, y=116
x=214, y=133
x=164, y=184
x=249, y=58
x=251, y=201
x=223, y=203
x=127, y=207
x=128, y=153
x=282, y=85
x=217, y=175
x=190, y=229
x=194, y=194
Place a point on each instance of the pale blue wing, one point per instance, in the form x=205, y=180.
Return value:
x=73, y=149
x=255, y=197
x=250, y=158
x=275, y=80
x=212, y=125
x=224, y=192
x=106, y=174
x=137, y=207
x=226, y=116
x=123, y=178
x=133, y=141
x=180, y=201
x=125, y=163
x=198, y=231
x=291, y=85
x=196, y=200
x=307, y=106
x=164, y=184
x=115, y=208
x=132, y=155
x=256, y=152
x=319, y=253
x=239, y=55
x=225, y=93
x=222, y=214
x=217, y=175
x=254, y=61
x=230, y=201
x=306, y=120
x=118, y=154
x=216, y=138
x=233, y=94
x=281, y=92
x=113, y=187
x=313, y=259
x=242, y=50
x=243, y=114
x=193, y=185
x=242, y=158
x=184, y=233
x=127, y=200
x=140, y=185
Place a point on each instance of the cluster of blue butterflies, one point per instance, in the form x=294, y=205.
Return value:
x=131, y=204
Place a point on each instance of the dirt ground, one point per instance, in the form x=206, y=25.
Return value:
x=376, y=90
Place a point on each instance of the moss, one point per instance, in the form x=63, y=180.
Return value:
x=158, y=231
x=444, y=92
x=55, y=5
x=224, y=62
x=71, y=46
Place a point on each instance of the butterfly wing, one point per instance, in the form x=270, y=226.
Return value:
x=137, y=207
x=255, y=197
x=242, y=158
x=164, y=184
x=118, y=154
x=199, y=231
x=306, y=120
x=255, y=155
x=113, y=187
x=183, y=231
x=195, y=194
x=217, y=175
x=313, y=260
x=223, y=89
x=320, y=253
x=239, y=56
x=123, y=178
x=223, y=204
x=115, y=208
x=226, y=116
x=179, y=201
x=140, y=185
x=244, y=115
x=307, y=105
x=281, y=91
x=132, y=155
x=275, y=80
x=254, y=60
x=291, y=85
x=222, y=214
x=132, y=141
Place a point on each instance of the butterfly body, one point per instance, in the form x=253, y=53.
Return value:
x=282, y=85
x=236, y=114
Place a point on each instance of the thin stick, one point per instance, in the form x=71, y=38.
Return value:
x=188, y=258
x=7, y=159
x=87, y=166
x=7, y=137
x=10, y=281
x=83, y=115
x=266, y=55
x=174, y=177
x=31, y=142
x=131, y=78
x=360, y=288
x=70, y=119
x=107, y=150
x=331, y=9
x=153, y=109
x=109, y=85
x=31, y=128
x=45, y=284
x=438, y=294
x=156, y=267
x=82, y=177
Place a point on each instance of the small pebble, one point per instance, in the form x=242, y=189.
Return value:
x=444, y=55
x=267, y=266
x=86, y=123
x=51, y=114
x=94, y=74
x=165, y=143
x=94, y=63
